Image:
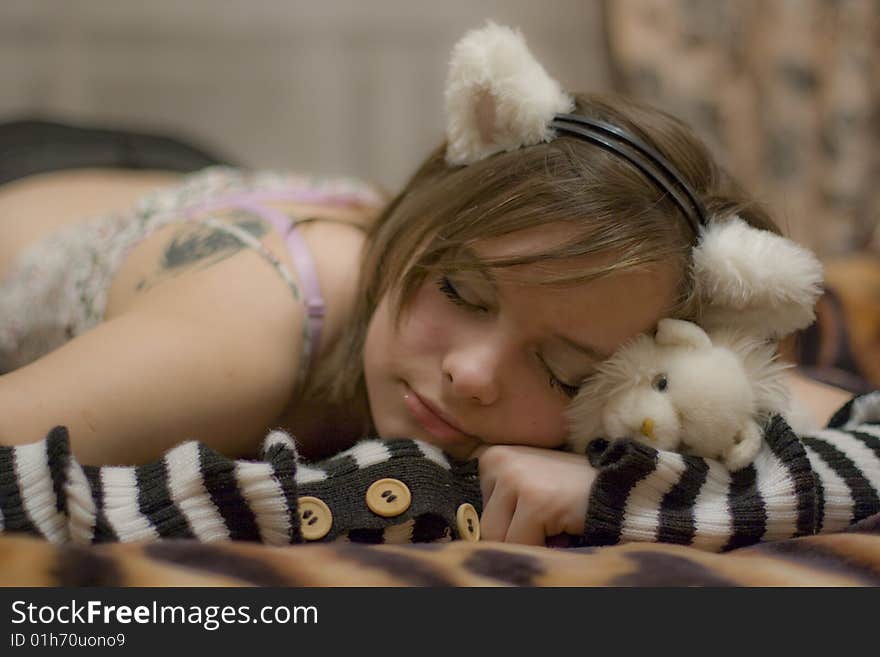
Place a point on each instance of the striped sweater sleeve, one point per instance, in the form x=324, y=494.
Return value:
x=194, y=492
x=798, y=485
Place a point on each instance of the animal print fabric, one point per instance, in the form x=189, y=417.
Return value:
x=850, y=558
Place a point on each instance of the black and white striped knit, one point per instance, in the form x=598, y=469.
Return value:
x=816, y=483
x=820, y=482
x=194, y=492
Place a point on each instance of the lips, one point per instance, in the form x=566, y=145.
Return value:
x=423, y=412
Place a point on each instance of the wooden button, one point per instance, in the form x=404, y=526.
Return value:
x=388, y=497
x=468, y=522
x=315, y=518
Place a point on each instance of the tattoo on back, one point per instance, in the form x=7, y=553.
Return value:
x=206, y=243
x=198, y=246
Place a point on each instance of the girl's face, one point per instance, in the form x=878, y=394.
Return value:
x=481, y=360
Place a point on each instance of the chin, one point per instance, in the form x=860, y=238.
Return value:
x=395, y=428
x=389, y=430
x=459, y=450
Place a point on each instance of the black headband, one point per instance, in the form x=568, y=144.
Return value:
x=640, y=155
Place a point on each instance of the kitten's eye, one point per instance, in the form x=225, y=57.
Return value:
x=660, y=383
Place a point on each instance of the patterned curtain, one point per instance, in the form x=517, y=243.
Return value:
x=786, y=92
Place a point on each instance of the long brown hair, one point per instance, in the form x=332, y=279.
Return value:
x=614, y=207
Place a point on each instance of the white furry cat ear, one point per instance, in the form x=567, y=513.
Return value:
x=754, y=280
x=498, y=97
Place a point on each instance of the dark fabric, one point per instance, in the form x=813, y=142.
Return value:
x=218, y=476
x=842, y=348
x=29, y=147
x=747, y=508
x=103, y=531
x=155, y=502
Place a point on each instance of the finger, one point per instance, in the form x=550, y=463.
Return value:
x=497, y=513
x=526, y=528
x=487, y=487
x=478, y=451
x=487, y=482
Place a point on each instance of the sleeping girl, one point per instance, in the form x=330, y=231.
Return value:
x=462, y=316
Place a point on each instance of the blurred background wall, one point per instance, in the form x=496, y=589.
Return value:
x=786, y=92
x=335, y=86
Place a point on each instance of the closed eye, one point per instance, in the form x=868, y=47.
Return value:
x=447, y=288
x=568, y=389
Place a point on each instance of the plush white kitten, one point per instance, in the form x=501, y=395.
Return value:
x=682, y=390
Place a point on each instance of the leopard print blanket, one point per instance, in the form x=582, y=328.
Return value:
x=851, y=558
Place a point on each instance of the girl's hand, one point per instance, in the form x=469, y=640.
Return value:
x=531, y=493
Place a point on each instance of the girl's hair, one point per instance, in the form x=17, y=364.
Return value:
x=614, y=207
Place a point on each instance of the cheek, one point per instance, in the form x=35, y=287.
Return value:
x=534, y=418
x=556, y=427
x=378, y=335
x=423, y=331
x=427, y=325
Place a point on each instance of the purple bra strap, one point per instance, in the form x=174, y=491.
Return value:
x=305, y=268
x=296, y=246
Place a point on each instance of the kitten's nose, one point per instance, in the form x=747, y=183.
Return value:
x=648, y=428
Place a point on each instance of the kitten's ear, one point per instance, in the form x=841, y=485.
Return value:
x=677, y=332
x=754, y=280
x=498, y=97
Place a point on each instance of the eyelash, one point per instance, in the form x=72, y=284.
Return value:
x=566, y=389
x=447, y=288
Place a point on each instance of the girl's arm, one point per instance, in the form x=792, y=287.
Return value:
x=818, y=482
x=821, y=481
x=820, y=400
x=376, y=492
x=211, y=354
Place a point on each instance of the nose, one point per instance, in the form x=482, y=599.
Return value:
x=471, y=373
